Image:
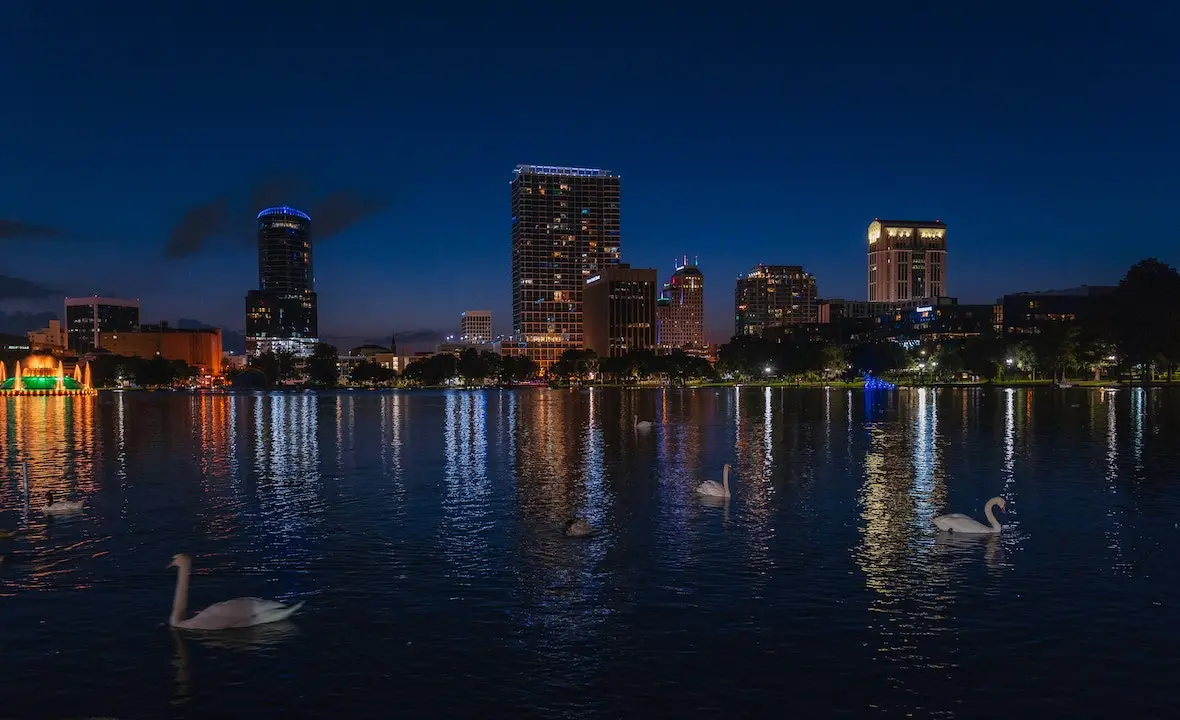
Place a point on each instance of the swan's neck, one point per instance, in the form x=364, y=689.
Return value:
x=991, y=517
x=725, y=480
x=180, y=600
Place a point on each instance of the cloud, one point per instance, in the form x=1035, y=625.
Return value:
x=19, y=323
x=418, y=336
x=12, y=288
x=341, y=210
x=203, y=225
x=198, y=225
x=18, y=229
x=276, y=189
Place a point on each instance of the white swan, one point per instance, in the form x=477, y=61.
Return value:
x=642, y=424
x=62, y=507
x=713, y=488
x=236, y=613
x=578, y=527
x=960, y=523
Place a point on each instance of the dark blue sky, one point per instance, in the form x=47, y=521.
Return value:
x=1046, y=141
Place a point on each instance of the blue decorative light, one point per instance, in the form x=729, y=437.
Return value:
x=872, y=383
x=284, y=210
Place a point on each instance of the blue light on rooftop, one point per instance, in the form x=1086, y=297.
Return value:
x=284, y=210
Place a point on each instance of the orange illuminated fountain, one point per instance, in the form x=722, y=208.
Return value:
x=44, y=375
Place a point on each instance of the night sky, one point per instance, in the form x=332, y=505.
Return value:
x=136, y=145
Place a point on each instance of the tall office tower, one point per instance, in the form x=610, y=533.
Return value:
x=281, y=314
x=87, y=317
x=619, y=310
x=682, y=318
x=475, y=326
x=772, y=296
x=565, y=228
x=907, y=260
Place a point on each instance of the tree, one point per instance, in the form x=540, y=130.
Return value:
x=877, y=357
x=267, y=363
x=323, y=367
x=288, y=364
x=434, y=370
x=1147, y=309
x=475, y=366
x=515, y=368
x=369, y=373
x=575, y=365
x=745, y=356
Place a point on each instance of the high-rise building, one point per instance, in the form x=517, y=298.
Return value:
x=907, y=260
x=281, y=314
x=772, y=296
x=565, y=228
x=86, y=317
x=681, y=321
x=619, y=310
x=475, y=327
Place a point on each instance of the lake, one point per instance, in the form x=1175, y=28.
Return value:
x=424, y=531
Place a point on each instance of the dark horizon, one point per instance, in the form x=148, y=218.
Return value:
x=1044, y=145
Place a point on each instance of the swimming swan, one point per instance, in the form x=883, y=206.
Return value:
x=62, y=507
x=236, y=613
x=960, y=523
x=642, y=424
x=713, y=488
x=578, y=527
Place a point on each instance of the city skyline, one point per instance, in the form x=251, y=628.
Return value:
x=1020, y=161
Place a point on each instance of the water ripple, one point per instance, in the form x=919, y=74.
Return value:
x=424, y=530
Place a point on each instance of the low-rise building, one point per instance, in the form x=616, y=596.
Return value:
x=50, y=339
x=199, y=348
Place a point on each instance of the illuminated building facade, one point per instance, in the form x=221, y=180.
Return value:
x=619, y=310
x=86, y=317
x=475, y=327
x=681, y=311
x=51, y=339
x=198, y=348
x=282, y=314
x=907, y=260
x=565, y=228
x=771, y=296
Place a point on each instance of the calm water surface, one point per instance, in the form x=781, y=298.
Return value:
x=423, y=530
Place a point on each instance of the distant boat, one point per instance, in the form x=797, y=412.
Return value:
x=1064, y=384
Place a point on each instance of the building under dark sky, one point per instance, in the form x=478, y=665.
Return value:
x=770, y=296
x=682, y=316
x=281, y=314
x=907, y=260
x=88, y=317
x=565, y=227
x=619, y=308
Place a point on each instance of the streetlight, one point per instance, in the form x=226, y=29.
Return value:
x=921, y=372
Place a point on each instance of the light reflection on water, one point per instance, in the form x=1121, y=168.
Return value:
x=425, y=531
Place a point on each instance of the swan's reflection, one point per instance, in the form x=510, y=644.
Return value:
x=258, y=639
x=958, y=549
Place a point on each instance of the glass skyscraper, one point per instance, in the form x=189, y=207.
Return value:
x=281, y=314
x=565, y=227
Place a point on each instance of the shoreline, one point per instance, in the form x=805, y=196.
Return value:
x=812, y=385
